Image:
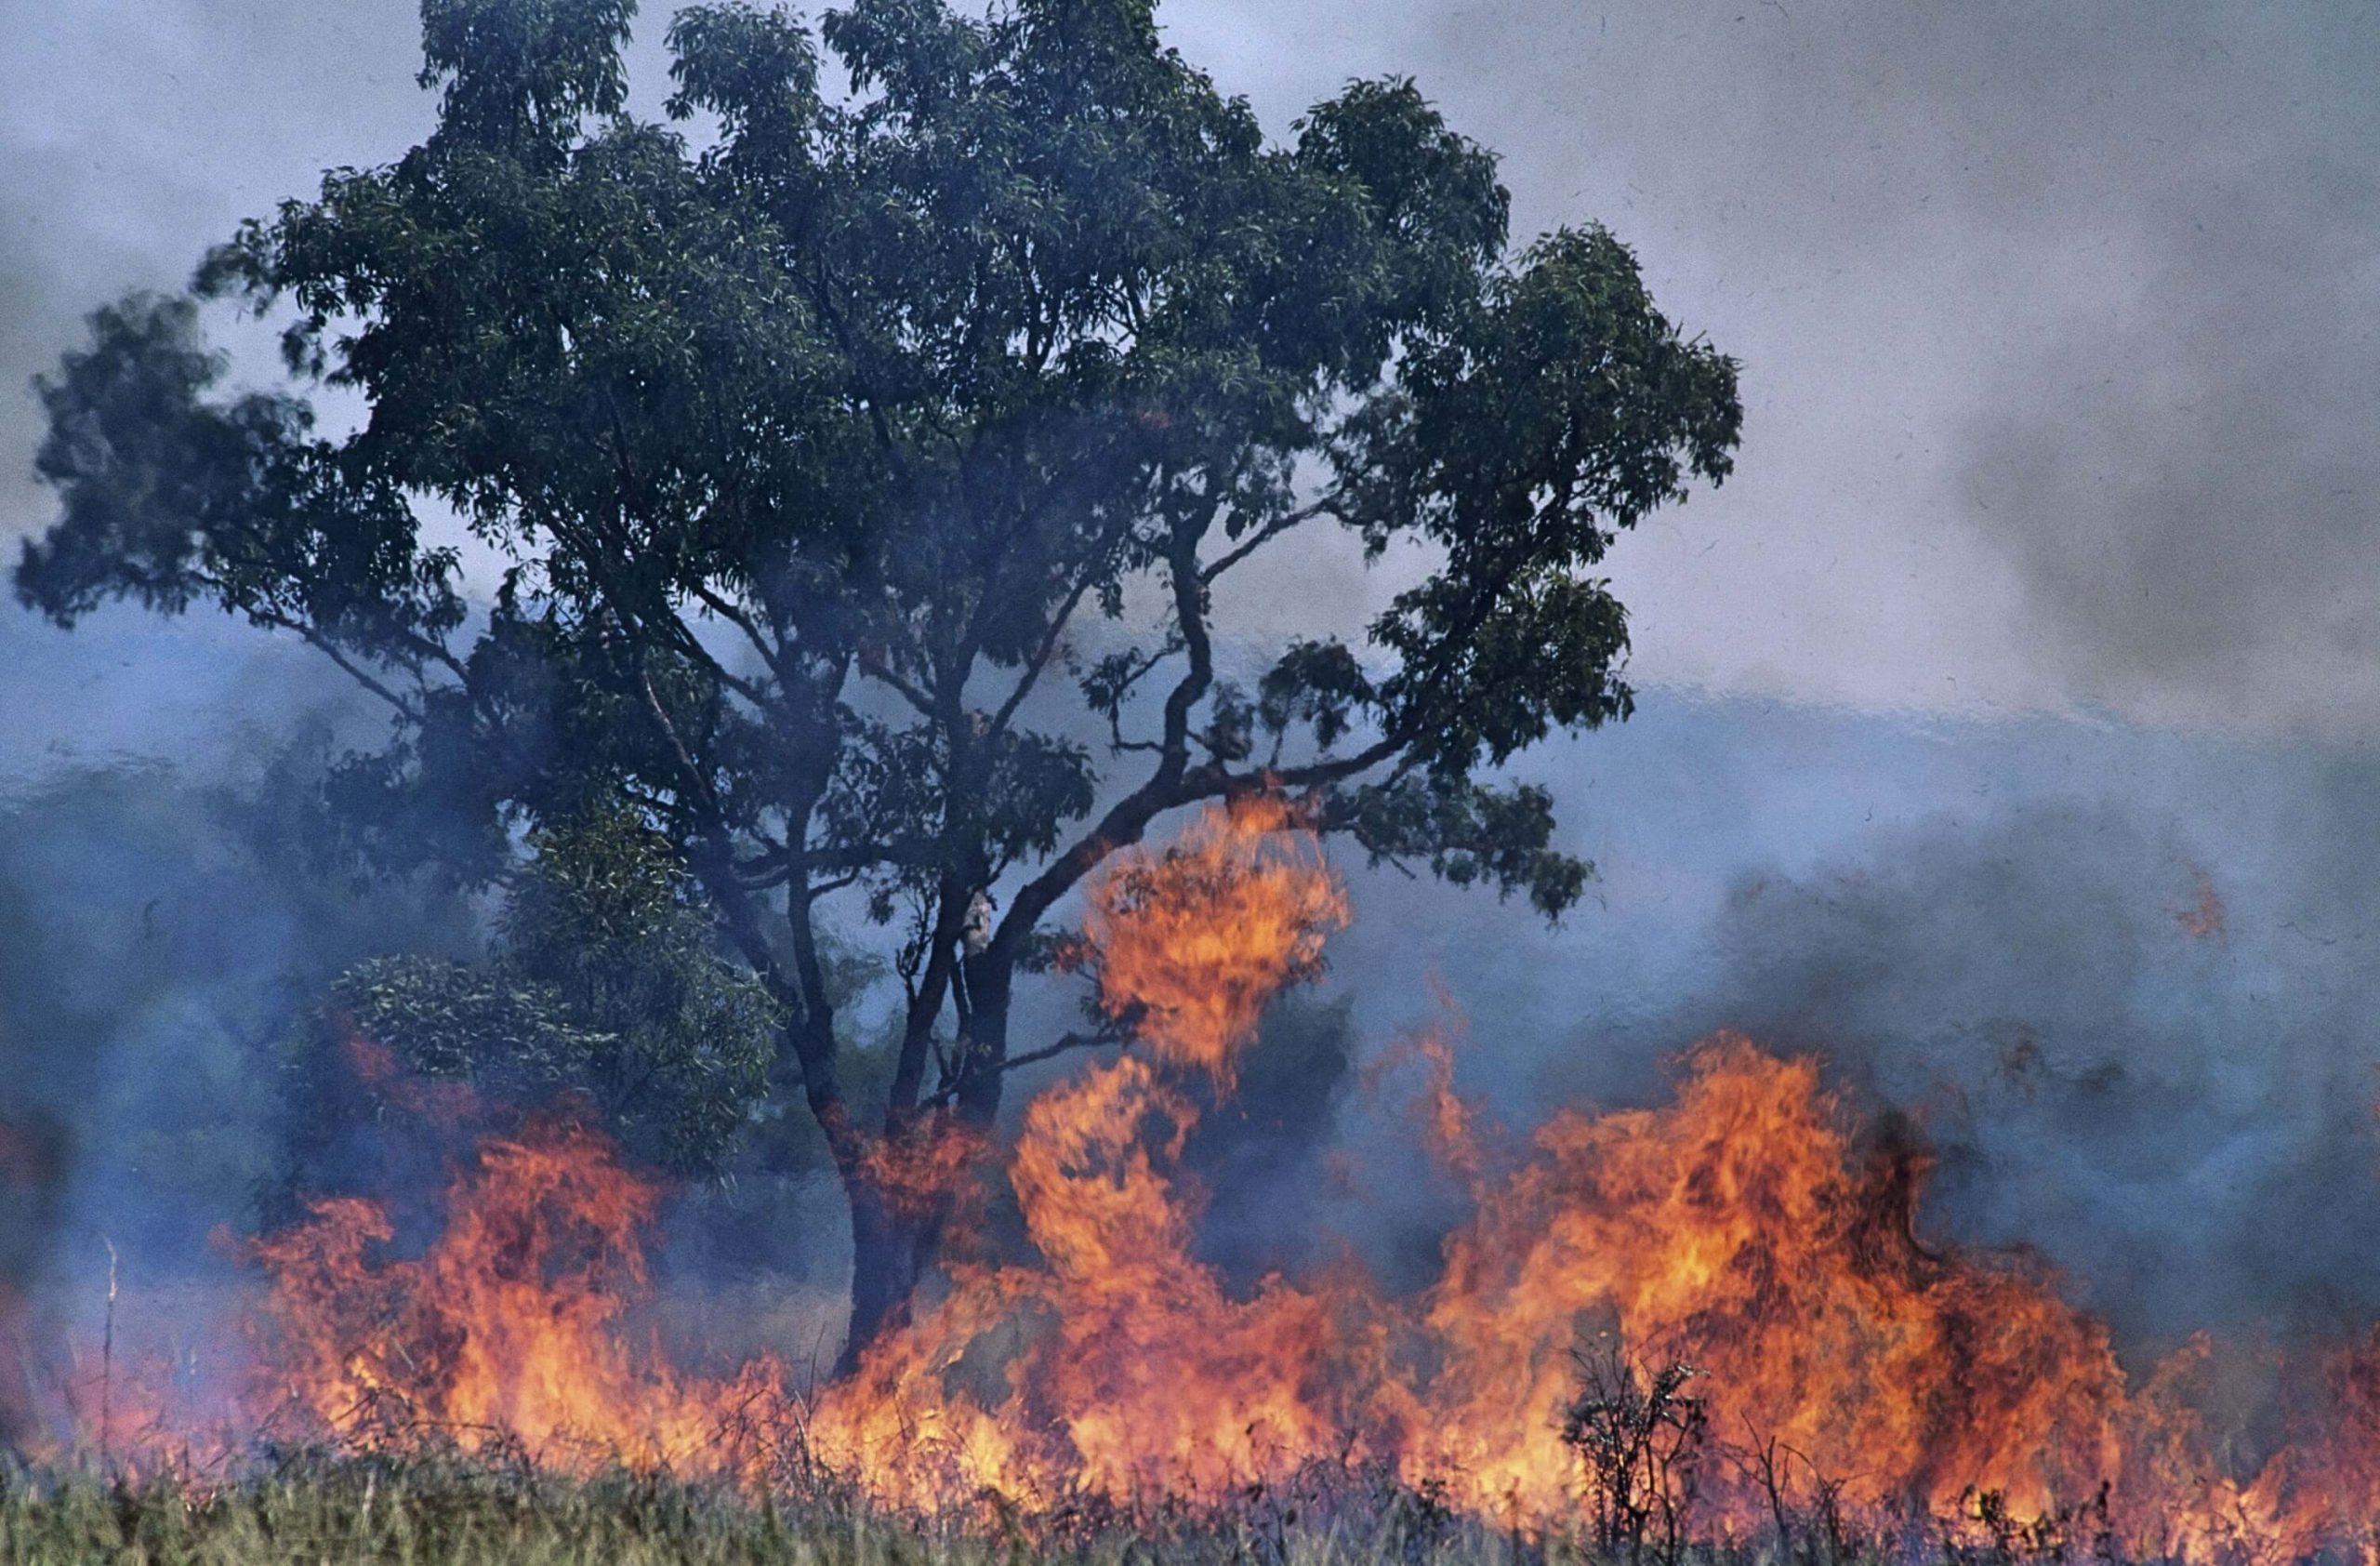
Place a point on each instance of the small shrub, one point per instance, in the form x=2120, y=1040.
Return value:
x=1640, y=1436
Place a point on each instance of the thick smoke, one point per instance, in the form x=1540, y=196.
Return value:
x=2120, y=978
x=162, y=932
x=2121, y=982
x=2113, y=1063
x=2058, y=324
x=2081, y=296
x=2187, y=478
x=133, y=135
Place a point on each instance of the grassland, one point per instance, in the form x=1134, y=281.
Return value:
x=431, y=1513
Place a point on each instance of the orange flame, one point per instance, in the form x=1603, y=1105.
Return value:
x=2206, y=918
x=1755, y=1228
x=1450, y=1125
x=1194, y=941
x=1129, y=1370
x=506, y=1328
x=919, y=1171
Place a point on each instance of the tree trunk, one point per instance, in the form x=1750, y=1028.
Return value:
x=889, y=1251
x=983, y=1052
x=893, y=1250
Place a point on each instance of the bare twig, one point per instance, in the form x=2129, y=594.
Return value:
x=107, y=1357
x=1116, y=1032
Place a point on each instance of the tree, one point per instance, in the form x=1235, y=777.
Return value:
x=832, y=436
x=604, y=986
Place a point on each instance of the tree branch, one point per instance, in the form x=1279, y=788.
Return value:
x=1116, y=1032
x=873, y=665
x=1266, y=534
x=719, y=605
x=330, y=649
x=1040, y=659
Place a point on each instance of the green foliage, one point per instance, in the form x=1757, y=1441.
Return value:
x=832, y=436
x=1468, y=834
x=606, y=983
x=515, y=68
x=171, y=499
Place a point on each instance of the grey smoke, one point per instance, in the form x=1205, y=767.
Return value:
x=2122, y=981
x=2106, y=1074
x=162, y=933
x=2187, y=478
x=2060, y=325
x=2058, y=321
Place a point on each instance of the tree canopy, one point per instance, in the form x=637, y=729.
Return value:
x=864, y=448
x=604, y=985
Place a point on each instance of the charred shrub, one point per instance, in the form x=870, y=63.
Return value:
x=1640, y=1437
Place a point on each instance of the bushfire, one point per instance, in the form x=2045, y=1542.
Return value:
x=1739, y=1267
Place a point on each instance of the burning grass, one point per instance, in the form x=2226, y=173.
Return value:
x=1776, y=1364
x=499, y=1506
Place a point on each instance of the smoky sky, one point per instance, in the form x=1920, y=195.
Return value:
x=2058, y=322
x=2122, y=982
x=2058, y=325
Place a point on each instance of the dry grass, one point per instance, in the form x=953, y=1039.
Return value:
x=438, y=1513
